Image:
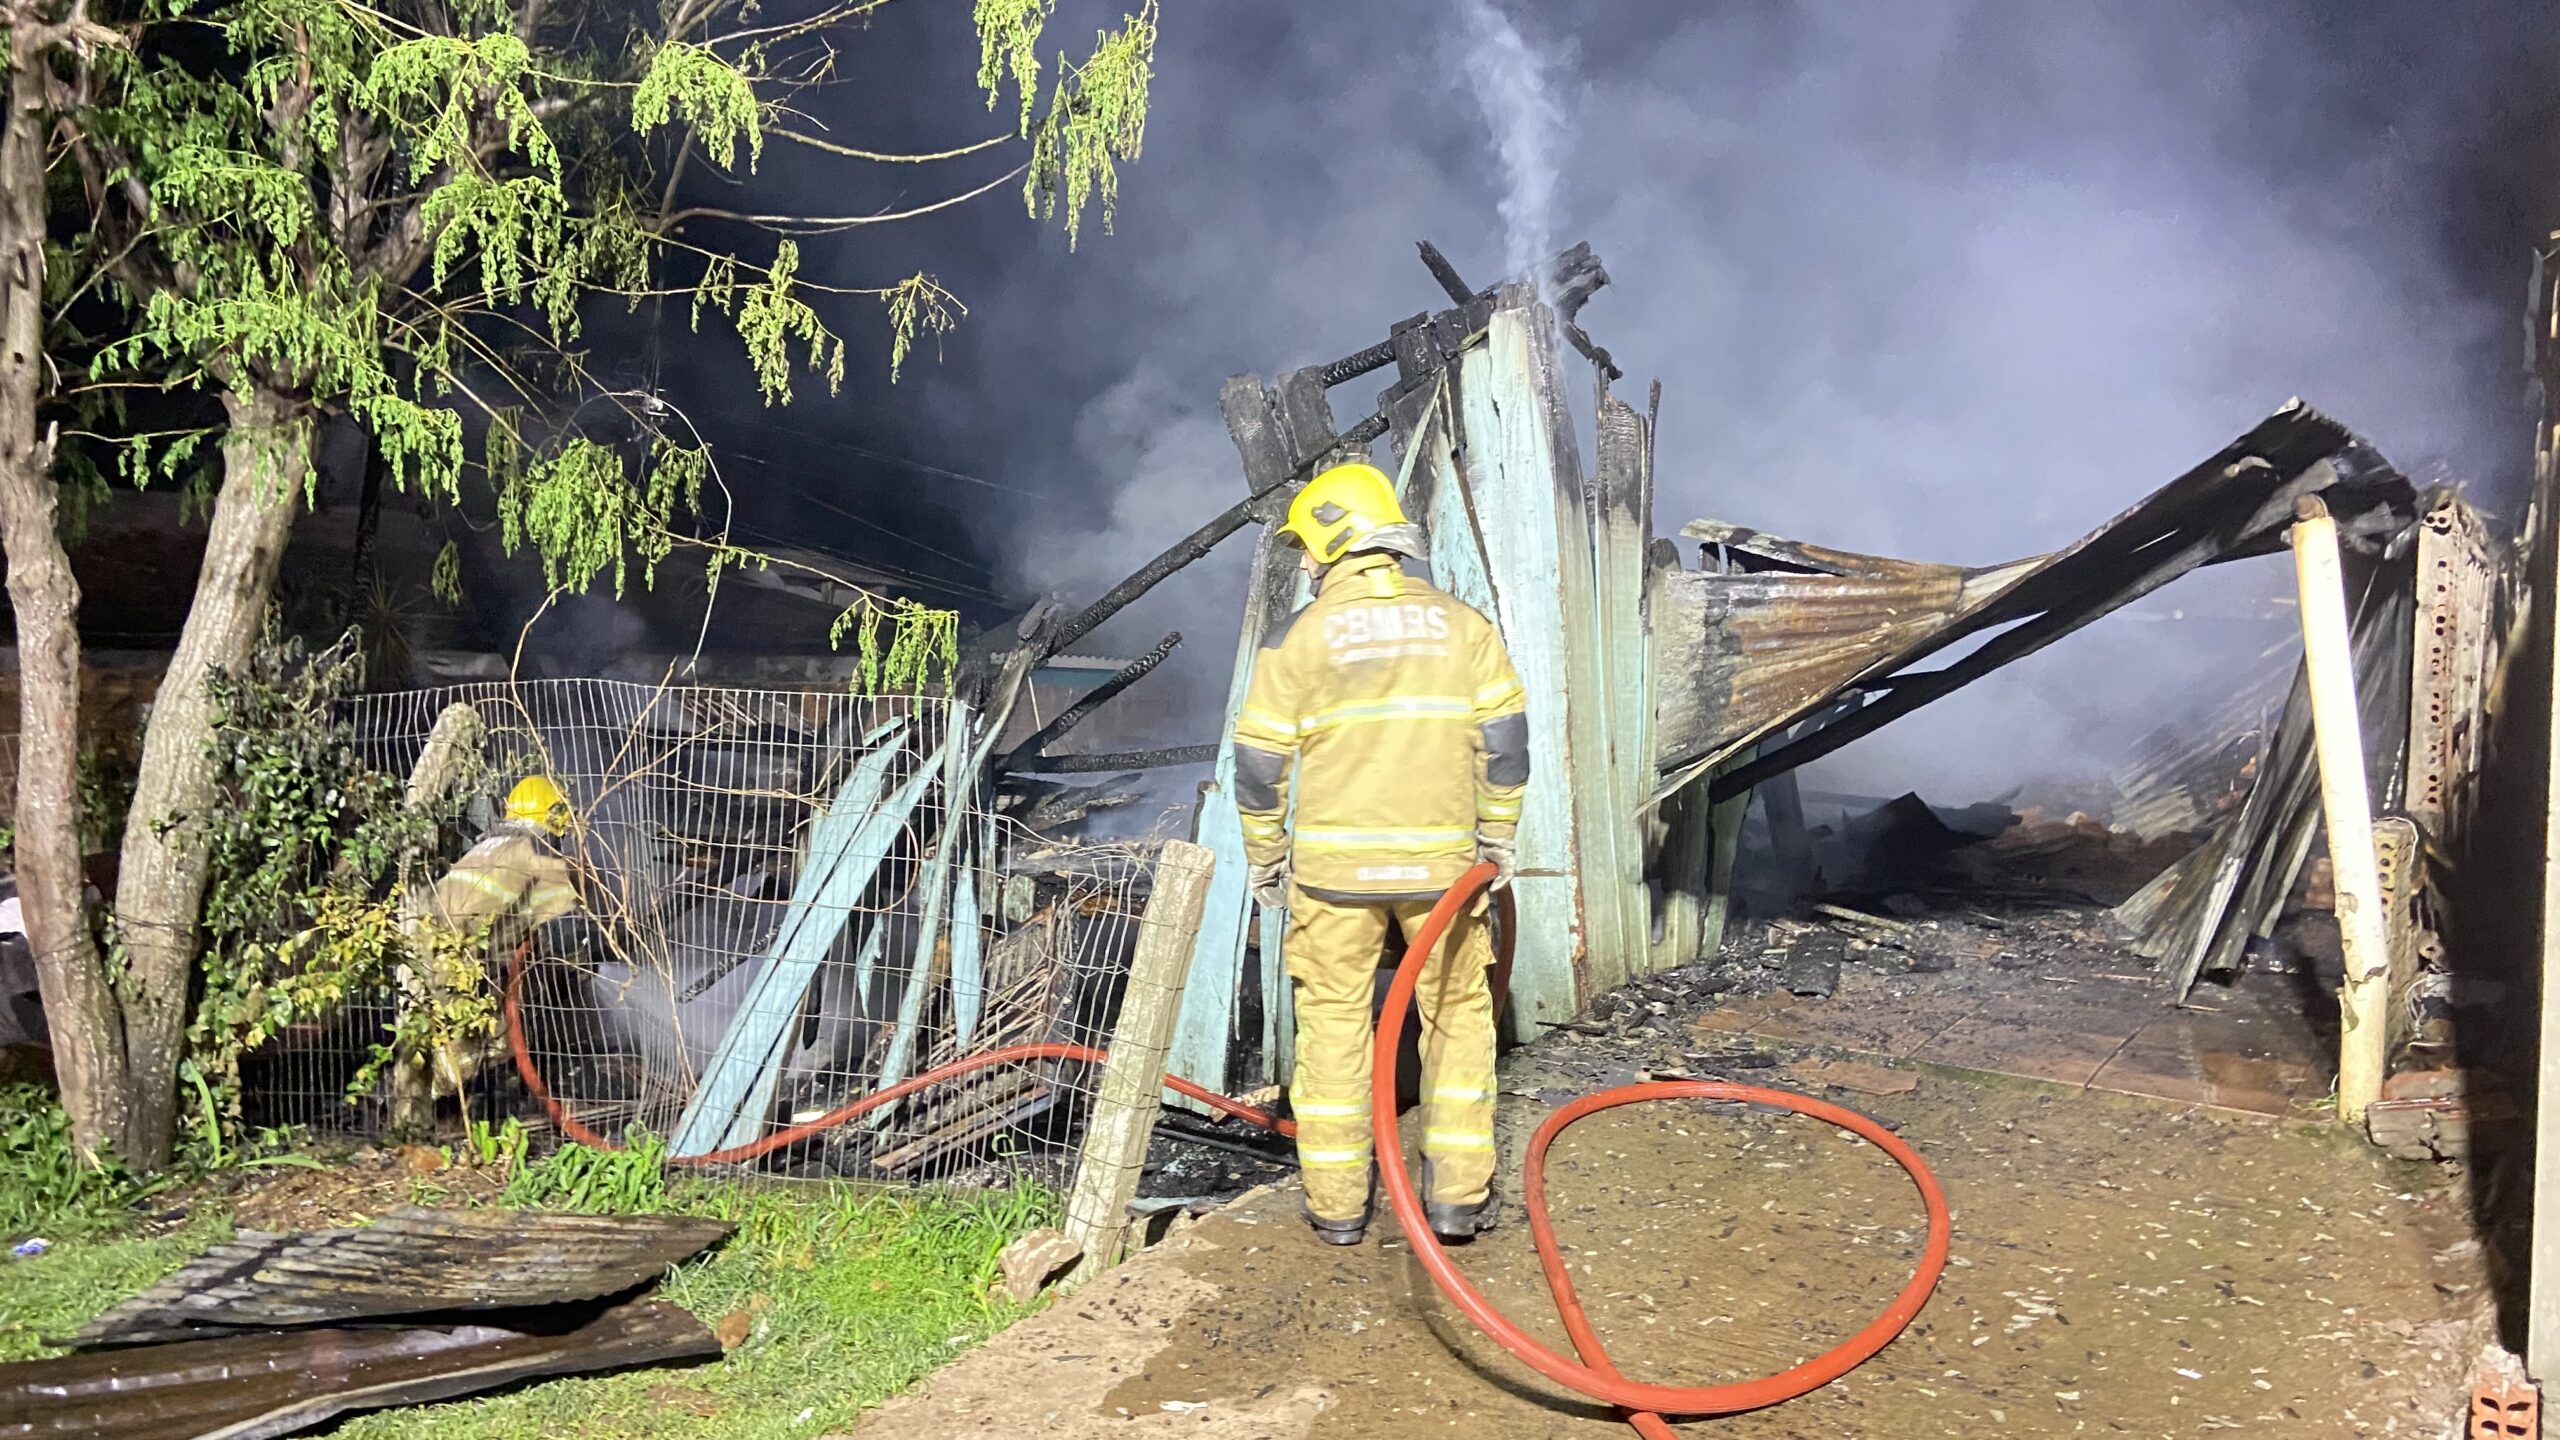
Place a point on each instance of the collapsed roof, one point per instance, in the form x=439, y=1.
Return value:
x=1793, y=633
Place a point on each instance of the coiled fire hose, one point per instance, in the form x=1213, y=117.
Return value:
x=1592, y=1374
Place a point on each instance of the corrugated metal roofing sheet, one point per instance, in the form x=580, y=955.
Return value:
x=249, y=1387
x=411, y=1262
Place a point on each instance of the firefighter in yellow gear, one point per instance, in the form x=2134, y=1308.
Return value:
x=1388, y=711
x=508, y=885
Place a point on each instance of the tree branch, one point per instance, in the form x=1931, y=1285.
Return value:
x=832, y=148
x=826, y=224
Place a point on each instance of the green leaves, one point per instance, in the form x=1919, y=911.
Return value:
x=1097, y=113
x=918, y=305
x=300, y=913
x=444, y=579
x=1009, y=44
x=628, y=1181
x=901, y=648
x=457, y=102
x=771, y=317
x=688, y=83
x=576, y=507
x=1097, y=116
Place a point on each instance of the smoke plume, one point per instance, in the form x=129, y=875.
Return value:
x=1947, y=279
x=1512, y=84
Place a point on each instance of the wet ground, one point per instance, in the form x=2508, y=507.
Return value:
x=2198, y=1257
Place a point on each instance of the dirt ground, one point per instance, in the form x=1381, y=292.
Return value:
x=2122, y=1266
x=354, y=1188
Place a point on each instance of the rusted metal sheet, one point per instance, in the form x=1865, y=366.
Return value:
x=2238, y=503
x=2199, y=914
x=252, y=1386
x=2183, y=778
x=1744, y=653
x=411, y=1262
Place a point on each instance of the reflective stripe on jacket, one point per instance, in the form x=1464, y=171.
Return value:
x=1391, y=710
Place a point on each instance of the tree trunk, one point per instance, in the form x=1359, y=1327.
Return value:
x=160, y=890
x=80, y=1005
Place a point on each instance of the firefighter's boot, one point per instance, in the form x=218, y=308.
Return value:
x=1458, y=1224
x=1345, y=1232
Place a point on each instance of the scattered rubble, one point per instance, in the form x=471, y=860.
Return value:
x=1030, y=1263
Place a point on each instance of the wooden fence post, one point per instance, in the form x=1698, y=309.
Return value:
x=1124, y=1110
x=2347, y=806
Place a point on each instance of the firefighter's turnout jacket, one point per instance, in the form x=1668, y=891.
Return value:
x=1388, y=710
x=1391, y=711
x=512, y=882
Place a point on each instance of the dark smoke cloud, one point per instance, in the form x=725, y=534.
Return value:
x=1952, y=279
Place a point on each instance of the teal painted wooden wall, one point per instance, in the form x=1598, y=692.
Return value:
x=1493, y=472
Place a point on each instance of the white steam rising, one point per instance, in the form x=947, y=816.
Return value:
x=1514, y=85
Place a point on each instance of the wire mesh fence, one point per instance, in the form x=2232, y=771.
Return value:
x=786, y=903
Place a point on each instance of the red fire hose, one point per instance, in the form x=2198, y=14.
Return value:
x=1593, y=1375
x=793, y=1135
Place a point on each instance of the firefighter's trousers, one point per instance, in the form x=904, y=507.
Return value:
x=1334, y=950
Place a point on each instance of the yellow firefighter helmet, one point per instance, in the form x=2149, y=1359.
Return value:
x=537, y=801
x=1342, y=507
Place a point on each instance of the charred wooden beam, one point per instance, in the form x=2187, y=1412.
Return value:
x=1070, y=804
x=1101, y=695
x=1119, y=761
x=1148, y=576
x=1306, y=416
x=1353, y=366
x=1459, y=291
x=1259, y=505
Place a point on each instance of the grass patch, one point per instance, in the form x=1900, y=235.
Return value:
x=849, y=1297
x=50, y=1295
x=44, y=1189
x=844, y=1296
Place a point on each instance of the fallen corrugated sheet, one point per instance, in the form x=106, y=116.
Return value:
x=2239, y=503
x=2199, y=914
x=411, y=1262
x=247, y=1387
x=2184, y=777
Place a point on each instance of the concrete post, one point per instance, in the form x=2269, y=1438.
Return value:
x=2347, y=807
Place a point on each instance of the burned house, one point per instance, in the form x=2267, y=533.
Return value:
x=1685, y=673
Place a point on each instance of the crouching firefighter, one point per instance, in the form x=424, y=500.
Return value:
x=1388, y=710
x=508, y=885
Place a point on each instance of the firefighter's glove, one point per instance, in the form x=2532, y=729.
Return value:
x=1502, y=855
x=1271, y=882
